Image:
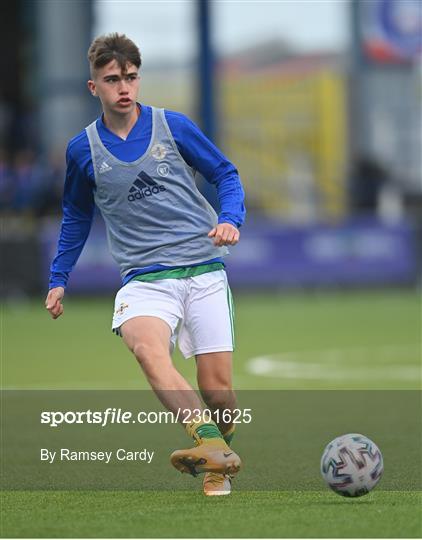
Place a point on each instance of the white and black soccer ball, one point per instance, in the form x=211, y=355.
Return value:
x=352, y=465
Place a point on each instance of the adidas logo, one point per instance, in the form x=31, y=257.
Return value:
x=104, y=167
x=144, y=186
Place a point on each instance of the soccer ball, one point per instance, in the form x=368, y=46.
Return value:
x=352, y=465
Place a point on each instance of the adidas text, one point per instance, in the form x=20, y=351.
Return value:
x=148, y=192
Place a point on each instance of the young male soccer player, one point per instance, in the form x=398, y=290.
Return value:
x=137, y=164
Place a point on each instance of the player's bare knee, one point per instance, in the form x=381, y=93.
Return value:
x=147, y=353
x=215, y=382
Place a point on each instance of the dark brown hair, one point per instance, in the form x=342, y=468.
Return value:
x=110, y=47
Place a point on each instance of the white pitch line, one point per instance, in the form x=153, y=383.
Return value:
x=339, y=364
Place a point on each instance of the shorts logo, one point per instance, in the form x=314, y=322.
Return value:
x=144, y=186
x=121, y=308
x=163, y=169
x=158, y=151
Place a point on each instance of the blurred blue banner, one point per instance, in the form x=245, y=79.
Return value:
x=357, y=252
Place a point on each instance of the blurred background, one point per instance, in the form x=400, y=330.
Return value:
x=318, y=103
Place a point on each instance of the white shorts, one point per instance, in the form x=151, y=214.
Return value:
x=198, y=310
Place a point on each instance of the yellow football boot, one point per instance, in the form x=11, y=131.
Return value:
x=216, y=484
x=213, y=455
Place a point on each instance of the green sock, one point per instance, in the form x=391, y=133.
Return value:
x=228, y=436
x=208, y=431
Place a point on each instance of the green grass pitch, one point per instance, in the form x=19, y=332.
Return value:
x=320, y=341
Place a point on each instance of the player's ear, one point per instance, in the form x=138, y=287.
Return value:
x=91, y=87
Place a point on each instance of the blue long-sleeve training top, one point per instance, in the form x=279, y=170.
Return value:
x=78, y=198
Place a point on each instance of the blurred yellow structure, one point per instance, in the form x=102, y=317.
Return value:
x=285, y=128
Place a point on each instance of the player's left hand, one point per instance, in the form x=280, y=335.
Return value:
x=224, y=234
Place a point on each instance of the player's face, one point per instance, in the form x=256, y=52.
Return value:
x=117, y=91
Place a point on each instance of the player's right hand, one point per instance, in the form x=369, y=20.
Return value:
x=53, y=302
